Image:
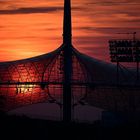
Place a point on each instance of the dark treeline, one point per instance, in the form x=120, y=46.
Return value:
x=24, y=128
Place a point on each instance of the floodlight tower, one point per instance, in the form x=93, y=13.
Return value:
x=67, y=44
x=126, y=51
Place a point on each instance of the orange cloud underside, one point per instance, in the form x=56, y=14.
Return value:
x=94, y=23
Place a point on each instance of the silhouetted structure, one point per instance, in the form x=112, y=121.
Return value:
x=68, y=77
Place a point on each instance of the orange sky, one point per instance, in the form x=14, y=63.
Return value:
x=31, y=27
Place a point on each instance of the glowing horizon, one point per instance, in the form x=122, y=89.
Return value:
x=30, y=28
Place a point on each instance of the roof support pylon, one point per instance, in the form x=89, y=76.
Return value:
x=67, y=25
x=67, y=42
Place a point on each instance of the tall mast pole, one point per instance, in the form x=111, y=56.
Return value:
x=67, y=44
x=67, y=25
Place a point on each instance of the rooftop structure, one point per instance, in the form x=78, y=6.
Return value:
x=67, y=77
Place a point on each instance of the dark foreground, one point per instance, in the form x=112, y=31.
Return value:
x=23, y=128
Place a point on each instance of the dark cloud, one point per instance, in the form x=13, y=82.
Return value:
x=109, y=30
x=133, y=20
x=34, y=10
x=31, y=10
x=110, y=3
x=89, y=40
x=1, y=2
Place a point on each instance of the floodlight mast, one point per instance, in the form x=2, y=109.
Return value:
x=67, y=44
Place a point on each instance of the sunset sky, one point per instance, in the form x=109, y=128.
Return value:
x=34, y=27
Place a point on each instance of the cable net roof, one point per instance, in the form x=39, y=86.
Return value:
x=40, y=79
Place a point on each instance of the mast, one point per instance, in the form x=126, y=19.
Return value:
x=67, y=44
x=67, y=25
